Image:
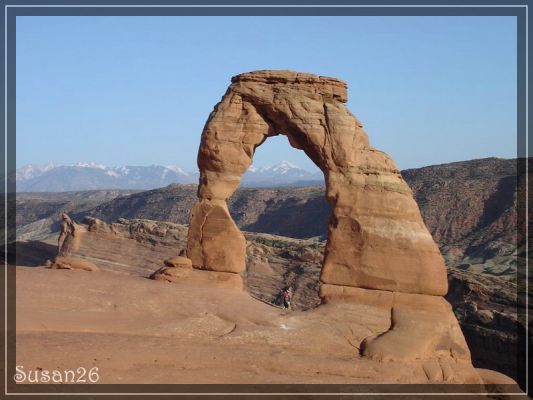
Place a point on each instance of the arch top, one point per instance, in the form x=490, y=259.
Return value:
x=324, y=85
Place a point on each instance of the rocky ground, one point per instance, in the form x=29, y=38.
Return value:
x=143, y=331
x=485, y=306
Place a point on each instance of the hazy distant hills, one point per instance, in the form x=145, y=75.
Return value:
x=76, y=177
x=91, y=176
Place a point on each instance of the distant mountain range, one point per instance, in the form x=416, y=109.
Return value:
x=91, y=176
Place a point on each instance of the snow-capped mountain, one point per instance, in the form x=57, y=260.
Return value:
x=91, y=176
x=31, y=170
x=283, y=174
x=283, y=168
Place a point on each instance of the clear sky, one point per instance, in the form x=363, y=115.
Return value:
x=138, y=90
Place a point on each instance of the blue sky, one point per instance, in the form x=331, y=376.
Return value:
x=138, y=90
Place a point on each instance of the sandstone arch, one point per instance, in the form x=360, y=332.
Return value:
x=376, y=239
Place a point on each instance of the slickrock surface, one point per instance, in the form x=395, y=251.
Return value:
x=375, y=218
x=275, y=262
x=146, y=331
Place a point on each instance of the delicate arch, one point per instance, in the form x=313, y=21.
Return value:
x=376, y=237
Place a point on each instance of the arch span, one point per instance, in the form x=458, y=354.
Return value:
x=376, y=236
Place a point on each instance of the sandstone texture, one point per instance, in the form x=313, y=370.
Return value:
x=421, y=326
x=147, y=331
x=222, y=245
x=127, y=246
x=375, y=219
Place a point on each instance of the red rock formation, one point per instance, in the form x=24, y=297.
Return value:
x=378, y=247
x=377, y=239
x=136, y=246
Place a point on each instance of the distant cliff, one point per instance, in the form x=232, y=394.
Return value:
x=470, y=208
